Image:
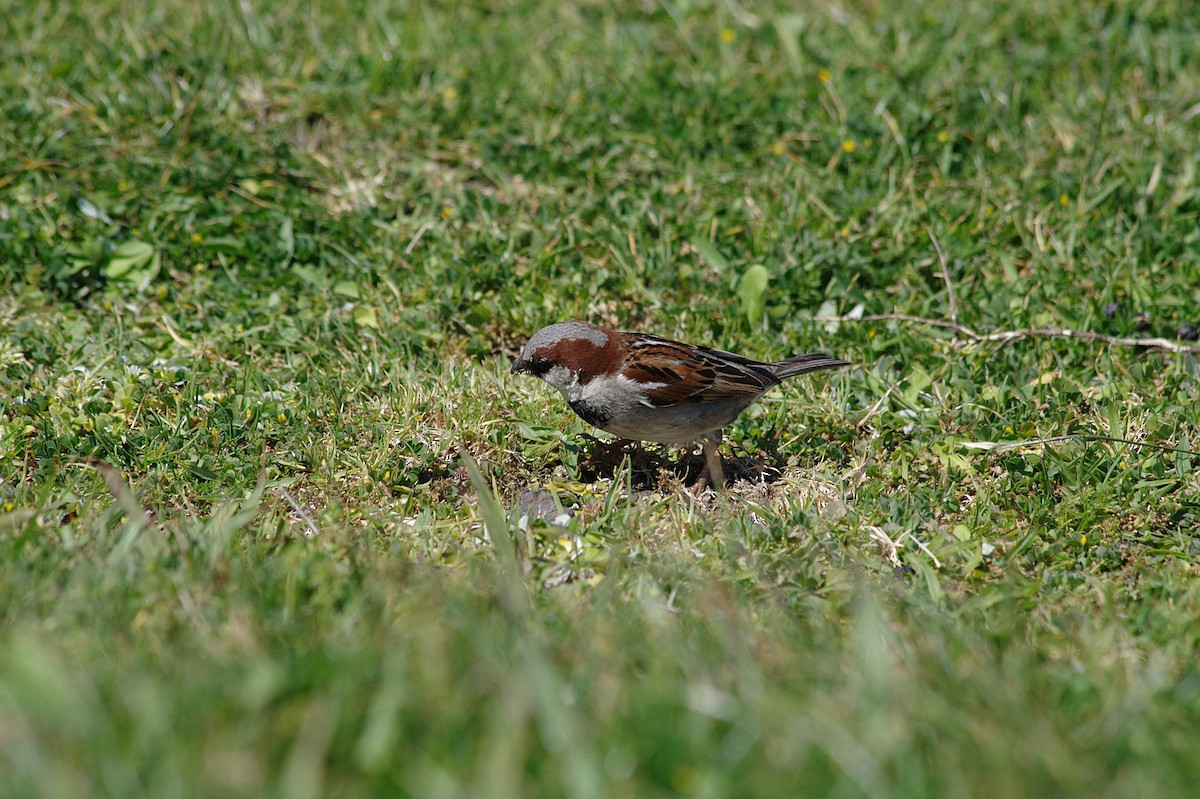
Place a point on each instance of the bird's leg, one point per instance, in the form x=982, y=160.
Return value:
x=633, y=454
x=713, y=474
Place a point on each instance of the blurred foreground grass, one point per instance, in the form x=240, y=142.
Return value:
x=267, y=262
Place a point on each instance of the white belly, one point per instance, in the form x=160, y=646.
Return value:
x=678, y=424
x=621, y=413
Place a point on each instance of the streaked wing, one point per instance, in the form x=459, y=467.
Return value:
x=693, y=374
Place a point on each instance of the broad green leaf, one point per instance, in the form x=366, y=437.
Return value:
x=752, y=289
x=364, y=316
x=226, y=244
x=287, y=239
x=711, y=255
x=129, y=255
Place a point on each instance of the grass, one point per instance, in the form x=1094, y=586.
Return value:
x=261, y=271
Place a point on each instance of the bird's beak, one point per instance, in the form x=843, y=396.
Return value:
x=519, y=366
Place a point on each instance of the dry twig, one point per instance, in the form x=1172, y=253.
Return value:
x=952, y=299
x=1006, y=336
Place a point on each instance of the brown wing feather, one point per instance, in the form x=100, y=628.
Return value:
x=693, y=374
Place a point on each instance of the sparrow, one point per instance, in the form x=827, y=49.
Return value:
x=648, y=388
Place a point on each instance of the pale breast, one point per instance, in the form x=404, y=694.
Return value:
x=615, y=408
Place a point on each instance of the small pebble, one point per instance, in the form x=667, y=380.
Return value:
x=542, y=504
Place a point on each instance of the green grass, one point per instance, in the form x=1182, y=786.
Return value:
x=269, y=264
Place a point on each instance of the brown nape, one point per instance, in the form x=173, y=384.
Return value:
x=582, y=356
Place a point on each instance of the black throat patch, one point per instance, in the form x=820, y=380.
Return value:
x=592, y=414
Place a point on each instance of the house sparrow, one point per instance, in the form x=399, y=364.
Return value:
x=648, y=388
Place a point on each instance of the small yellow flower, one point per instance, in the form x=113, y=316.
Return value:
x=849, y=146
x=776, y=148
x=447, y=212
x=282, y=416
x=824, y=75
x=8, y=506
x=727, y=35
x=1063, y=200
x=871, y=333
x=944, y=136
x=844, y=232
x=1083, y=539
x=1008, y=429
x=387, y=475
x=122, y=186
x=450, y=94
x=197, y=238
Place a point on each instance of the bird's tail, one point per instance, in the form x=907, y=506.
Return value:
x=812, y=362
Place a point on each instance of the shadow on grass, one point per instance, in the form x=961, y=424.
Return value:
x=601, y=460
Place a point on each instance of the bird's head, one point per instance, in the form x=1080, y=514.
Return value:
x=568, y=354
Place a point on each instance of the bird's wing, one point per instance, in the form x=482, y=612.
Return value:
x=693, y=374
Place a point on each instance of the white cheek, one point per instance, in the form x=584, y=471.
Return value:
x=563, y=379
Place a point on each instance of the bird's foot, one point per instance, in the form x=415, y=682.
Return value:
x=713, y=475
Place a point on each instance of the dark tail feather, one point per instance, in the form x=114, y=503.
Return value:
x=813, y=362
